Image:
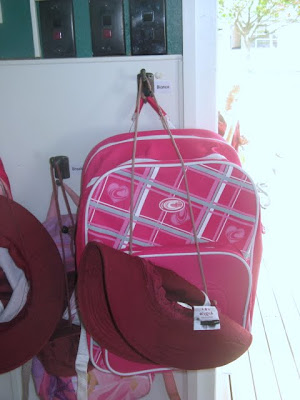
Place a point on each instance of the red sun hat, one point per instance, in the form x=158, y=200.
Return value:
x=142, y=304
x=31, y=285
x=106, y=333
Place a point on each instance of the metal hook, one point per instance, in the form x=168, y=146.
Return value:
x=147, y=83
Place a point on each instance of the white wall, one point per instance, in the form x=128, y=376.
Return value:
x=65, y=107
x=199, y=63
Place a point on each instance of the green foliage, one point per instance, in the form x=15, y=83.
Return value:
x=249, y=16
x=259, y=8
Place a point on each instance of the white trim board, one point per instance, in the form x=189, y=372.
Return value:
x=199, y=63
x=199, y=111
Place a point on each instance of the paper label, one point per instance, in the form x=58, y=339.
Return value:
x=76, y=169
x=206, y=318
x=162, y=86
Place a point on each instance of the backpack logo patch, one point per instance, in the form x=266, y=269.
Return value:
x=171, y=205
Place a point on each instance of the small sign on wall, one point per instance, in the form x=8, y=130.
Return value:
x=162, y=86
x=76, y=169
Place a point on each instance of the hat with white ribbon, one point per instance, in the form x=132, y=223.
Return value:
x=31, y=285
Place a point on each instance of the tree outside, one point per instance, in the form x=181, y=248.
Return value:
x=252, y=19
x=265, y=82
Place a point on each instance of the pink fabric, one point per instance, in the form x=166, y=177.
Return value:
x=104, y=386
x=5, y=189
x=49, y=387
x=156, y=148
x=109, y=361
x=52, y=226
x=224, y=206
x=66, y=245
x=101, y=385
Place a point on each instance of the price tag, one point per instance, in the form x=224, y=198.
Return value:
x=206, y=318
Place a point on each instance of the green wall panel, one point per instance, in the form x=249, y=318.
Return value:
x=127, y=27
x=174, y=26
x=16, y=31
x=82, y=28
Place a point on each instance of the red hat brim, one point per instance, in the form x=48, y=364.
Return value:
x=158, y=328
x=34, y=251
x=99, y=321
x=94, y=308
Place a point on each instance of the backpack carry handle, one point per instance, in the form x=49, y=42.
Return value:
x=147, y=96
x=154, y=106
x=57, y=171
x=167, y=128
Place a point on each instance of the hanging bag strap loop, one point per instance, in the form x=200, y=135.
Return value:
x=168, y=377
x=165, y=125
x=54, y=170
x=150, y=100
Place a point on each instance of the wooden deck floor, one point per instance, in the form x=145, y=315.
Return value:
x=271, y=367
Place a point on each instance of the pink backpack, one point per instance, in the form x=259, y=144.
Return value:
x=134, y=198
x=224, y=200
